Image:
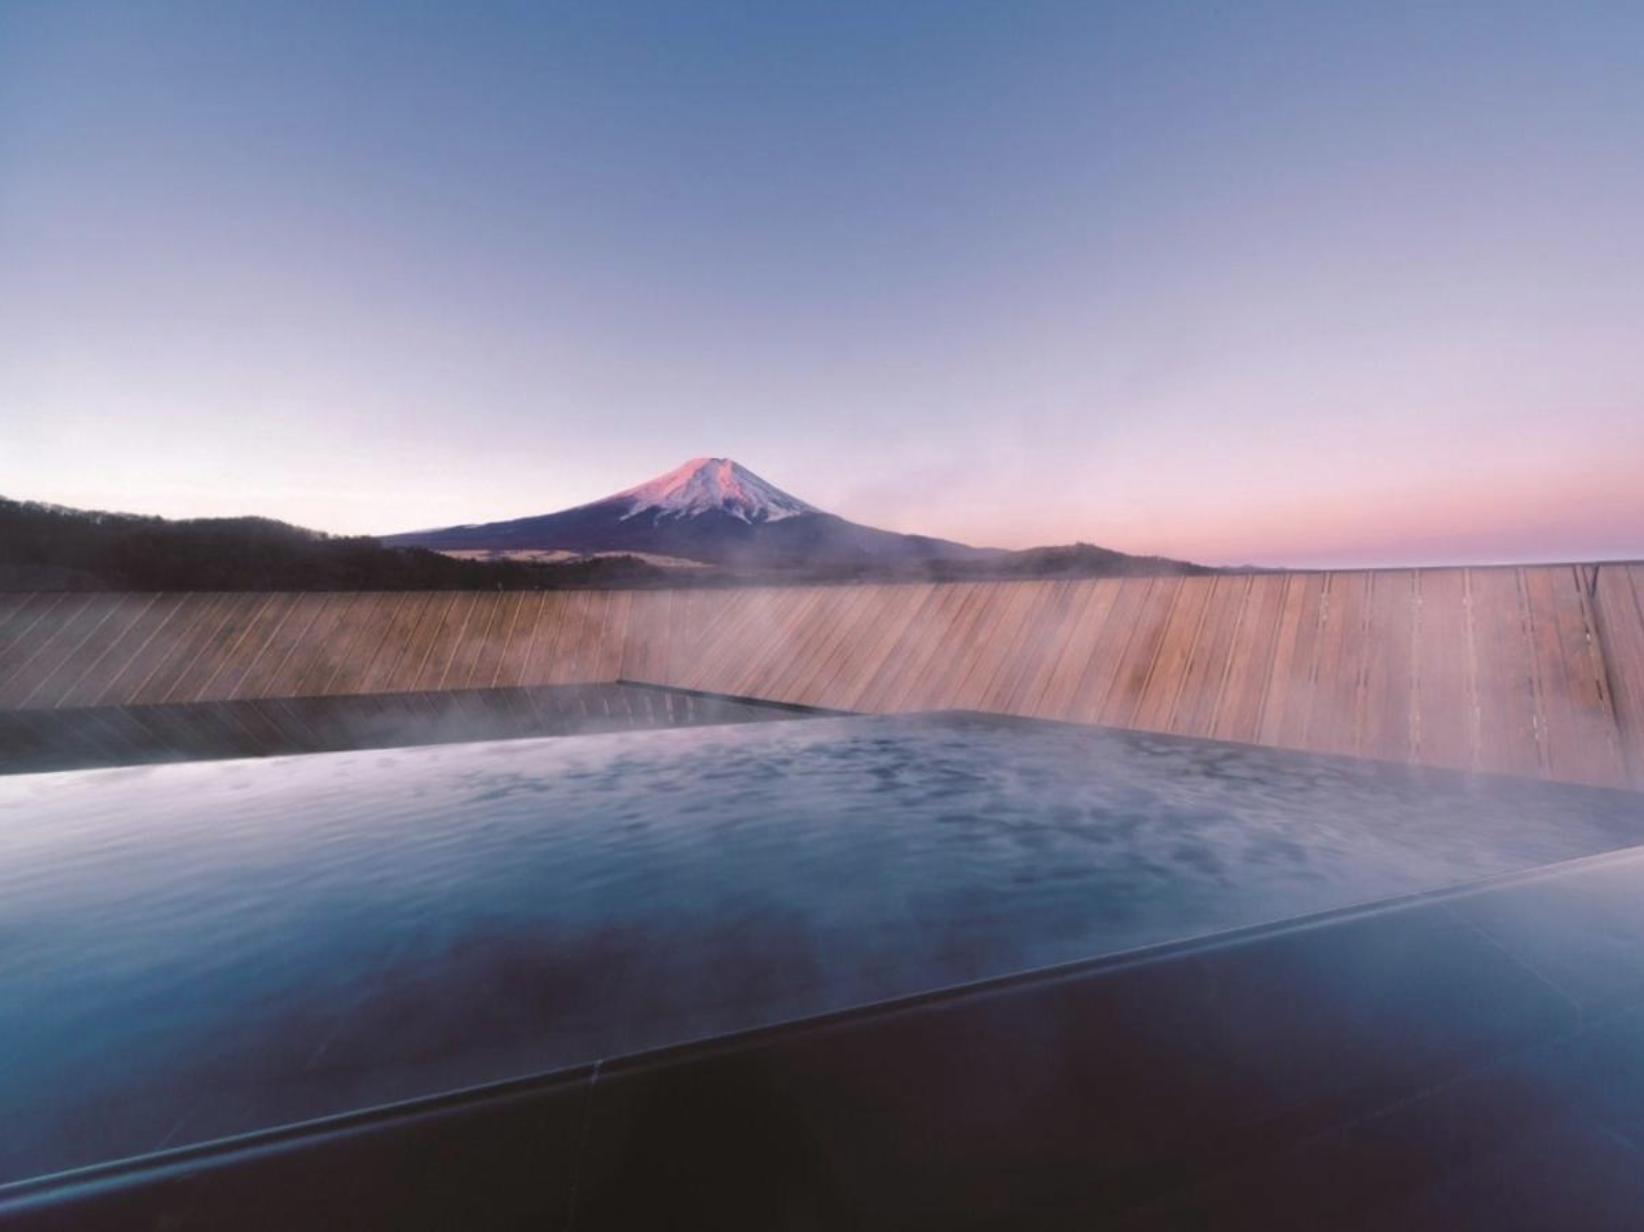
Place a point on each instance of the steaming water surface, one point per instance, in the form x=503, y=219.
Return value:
x=195, y=950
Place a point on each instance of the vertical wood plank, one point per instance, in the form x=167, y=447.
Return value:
x=49, y=643
x=883, y=635
x=1250, y=660
x=1387, y=732
x=1045, y=631
x=1582, y=740
x=998, y=639
x=911, y=650
x=278, y=665
x=240, y=612
x=477, y=633
x=1334, y=722
x=312, y=660
x=181, y=647
x=1135, y=665
x=1619, y=607
x=384, y=661
x=1096, y=661
x=64, y=676
x=1509, y=720
x=1161, y=686
x=1055, y=692
x=1289, y=701
x=1194, y=712
x=232, y=668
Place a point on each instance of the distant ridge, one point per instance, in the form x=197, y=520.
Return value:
x=708, y=522
x=717, y=511
x=712, y=510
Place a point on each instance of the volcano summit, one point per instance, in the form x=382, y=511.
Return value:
x=711, y=510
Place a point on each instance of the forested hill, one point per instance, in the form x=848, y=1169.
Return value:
x=48, y=547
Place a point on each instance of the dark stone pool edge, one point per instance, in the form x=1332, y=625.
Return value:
x=94, y=737
x=1313, y=1072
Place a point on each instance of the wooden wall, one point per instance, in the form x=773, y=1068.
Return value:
x=1620, y=606
x=1490, y=669
x=1532, y=671
x=114, y=649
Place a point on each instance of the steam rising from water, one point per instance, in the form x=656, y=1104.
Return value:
x=194, y=950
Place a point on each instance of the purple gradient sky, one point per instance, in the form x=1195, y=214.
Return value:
x=1293, y=283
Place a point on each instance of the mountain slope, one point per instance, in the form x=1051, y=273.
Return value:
x=709, y=509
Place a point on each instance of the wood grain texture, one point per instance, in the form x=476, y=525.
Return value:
x=1527, y=671
x=1249, y=660
x=1619, y=609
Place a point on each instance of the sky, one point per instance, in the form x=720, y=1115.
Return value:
x=1303, y=283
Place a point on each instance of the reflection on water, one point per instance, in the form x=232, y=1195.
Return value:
x=188, y=951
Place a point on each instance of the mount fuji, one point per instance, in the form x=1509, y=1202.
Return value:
x=708, y=510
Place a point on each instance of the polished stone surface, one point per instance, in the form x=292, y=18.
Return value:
x=1376, y=1069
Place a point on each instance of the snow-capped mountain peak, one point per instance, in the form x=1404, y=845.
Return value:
x=709, y=510
x=703, y=485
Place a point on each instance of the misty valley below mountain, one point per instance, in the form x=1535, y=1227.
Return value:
x=709, y=522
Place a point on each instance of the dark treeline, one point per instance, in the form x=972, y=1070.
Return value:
x=45, y=547
x=1075, y=560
